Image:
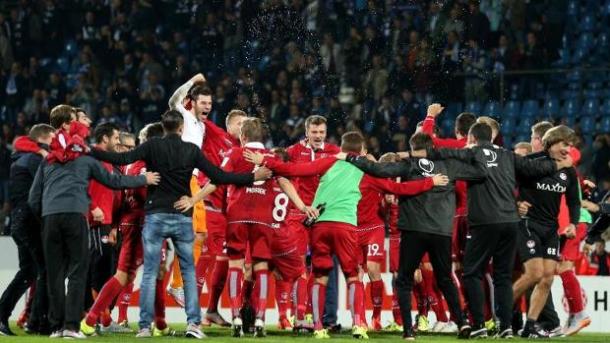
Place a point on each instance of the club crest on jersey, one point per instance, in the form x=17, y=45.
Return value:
x=427, y=166
x=531, y=244
x=491, y=157
x=563, y=176
x=557, y=188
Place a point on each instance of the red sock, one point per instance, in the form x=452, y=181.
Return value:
x=377, y=297
x=310, y=283
x=571, y=289
x=235, y=278
x=111, y=289
x=261, y=290
x=124, y=300
x=440, y=309
x=105, y=318
x=419, y=290
x=282, y=297
x=201, y=270
x=160, y=305
x=396, y=309
x=217, y=284
x=356, y=302
x=318, y=299
x=301, y=293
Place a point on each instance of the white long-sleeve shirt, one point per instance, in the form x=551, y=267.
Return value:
x=194, y=130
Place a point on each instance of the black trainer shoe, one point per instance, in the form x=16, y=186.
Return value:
x=5, y=330
x=409, y=334
x=534, y=331
x=464, y=331
x=505, y=334
x=479, y=331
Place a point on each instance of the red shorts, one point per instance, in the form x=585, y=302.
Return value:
x=294, y=222
x=217, y=233
x=334, y=238
x=257, y=236
x=131, y=255
x=371, y=244
x=570, y=249
x=285, y=257
x=394, y=253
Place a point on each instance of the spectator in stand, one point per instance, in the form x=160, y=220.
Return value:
x=477, y=25
x=601, y=259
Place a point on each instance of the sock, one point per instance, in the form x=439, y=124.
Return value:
x=420, y=297
x=111, y=289
x=571, y=288
x=160, y=305
x=235, y=278
x=105, y=318
x=360, y=304
x=310, y=283
x=377, y=297
x=176, y=274
x=282, y=297
x=439, y=307
x=261, y=290
x=204, y=264
x=217, y=284
x=318, y=300
x=396, y=309
x=301, y=294
x=247, y=294
x=356, y=301
x=124, y=299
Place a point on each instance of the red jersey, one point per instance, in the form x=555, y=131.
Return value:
x=102, y=197
x=370, y=212
x=133, y=212
x=260, y=203
x=302, y=152
x=216, y=145
x=454, y=143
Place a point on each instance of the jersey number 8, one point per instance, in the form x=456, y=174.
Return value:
x=280, y=207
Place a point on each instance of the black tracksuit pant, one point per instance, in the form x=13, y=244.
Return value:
x=26, y=233
x=413, y=246
x=66, y=250
x=497, y=241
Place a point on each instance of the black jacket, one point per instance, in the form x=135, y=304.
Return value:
x=23, y=169
x=493, y=201
x=431, y=211
x=602, y=222
x=175, y=160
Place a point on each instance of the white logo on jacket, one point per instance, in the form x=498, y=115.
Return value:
x=427, y=166
x=491, y=157
x=558, y=188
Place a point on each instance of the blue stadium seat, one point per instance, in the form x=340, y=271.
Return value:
x=573, y=8
x=570, y=94
x=569, y=121
x=604, y=126
x=453, y=110
x=492, y=108
x=594, y=85
x=571, y=107
x=585, y=41
x=522, y=137
x=447, y=126
x=551, y=108
x=62, y=65
x=587, y=124
x=507, y=126
x=574, y=76
x=587, y=23
x=530, y=108
x=593, y=93
x=508, y=141
x=602, y=41
x=590, y=108
x=71, y=48
x=474, y=107
x=512, y=109
x=526, y=122
x=605, y=108
x=578, y=55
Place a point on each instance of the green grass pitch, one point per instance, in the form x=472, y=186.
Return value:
x=221, y=335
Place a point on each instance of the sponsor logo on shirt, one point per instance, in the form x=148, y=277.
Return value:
x=256, y=190
x=558, y=188
x=426, y=166
x=491, y=158
x=563, y=176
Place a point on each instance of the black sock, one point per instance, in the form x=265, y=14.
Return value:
x=530, y=323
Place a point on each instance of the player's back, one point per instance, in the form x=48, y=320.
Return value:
x=253, y=203
x=369, y=206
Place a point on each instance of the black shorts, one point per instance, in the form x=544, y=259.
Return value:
x=535, y=240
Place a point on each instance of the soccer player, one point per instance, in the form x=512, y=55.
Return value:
x=538, y=240
x=130, y=256
x=523, y=148
x=26, y=234
x=341, y=187
x=313, y=147
x=175, y=159
x=492, y=221
x=197, y=97
x=217, y=144
x=64, y=177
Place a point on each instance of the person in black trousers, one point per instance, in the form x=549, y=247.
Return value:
x=27, y=236
x=493, y=223
x=62, y=206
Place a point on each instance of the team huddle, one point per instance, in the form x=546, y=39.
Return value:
x=474, y=229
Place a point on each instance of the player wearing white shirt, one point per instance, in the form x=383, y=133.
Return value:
x=197, y=97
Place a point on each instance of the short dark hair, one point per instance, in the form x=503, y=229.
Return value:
x=463, y=122
x=481, y=132
x=171, y=121
x=105, y=129
x=281, y=153
x=154, y=130
x=61, y=114
x=421, y=141
x=199, y=89
x=253, y=130
x=314, y=120
x=352, y=141
x=40, y=130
